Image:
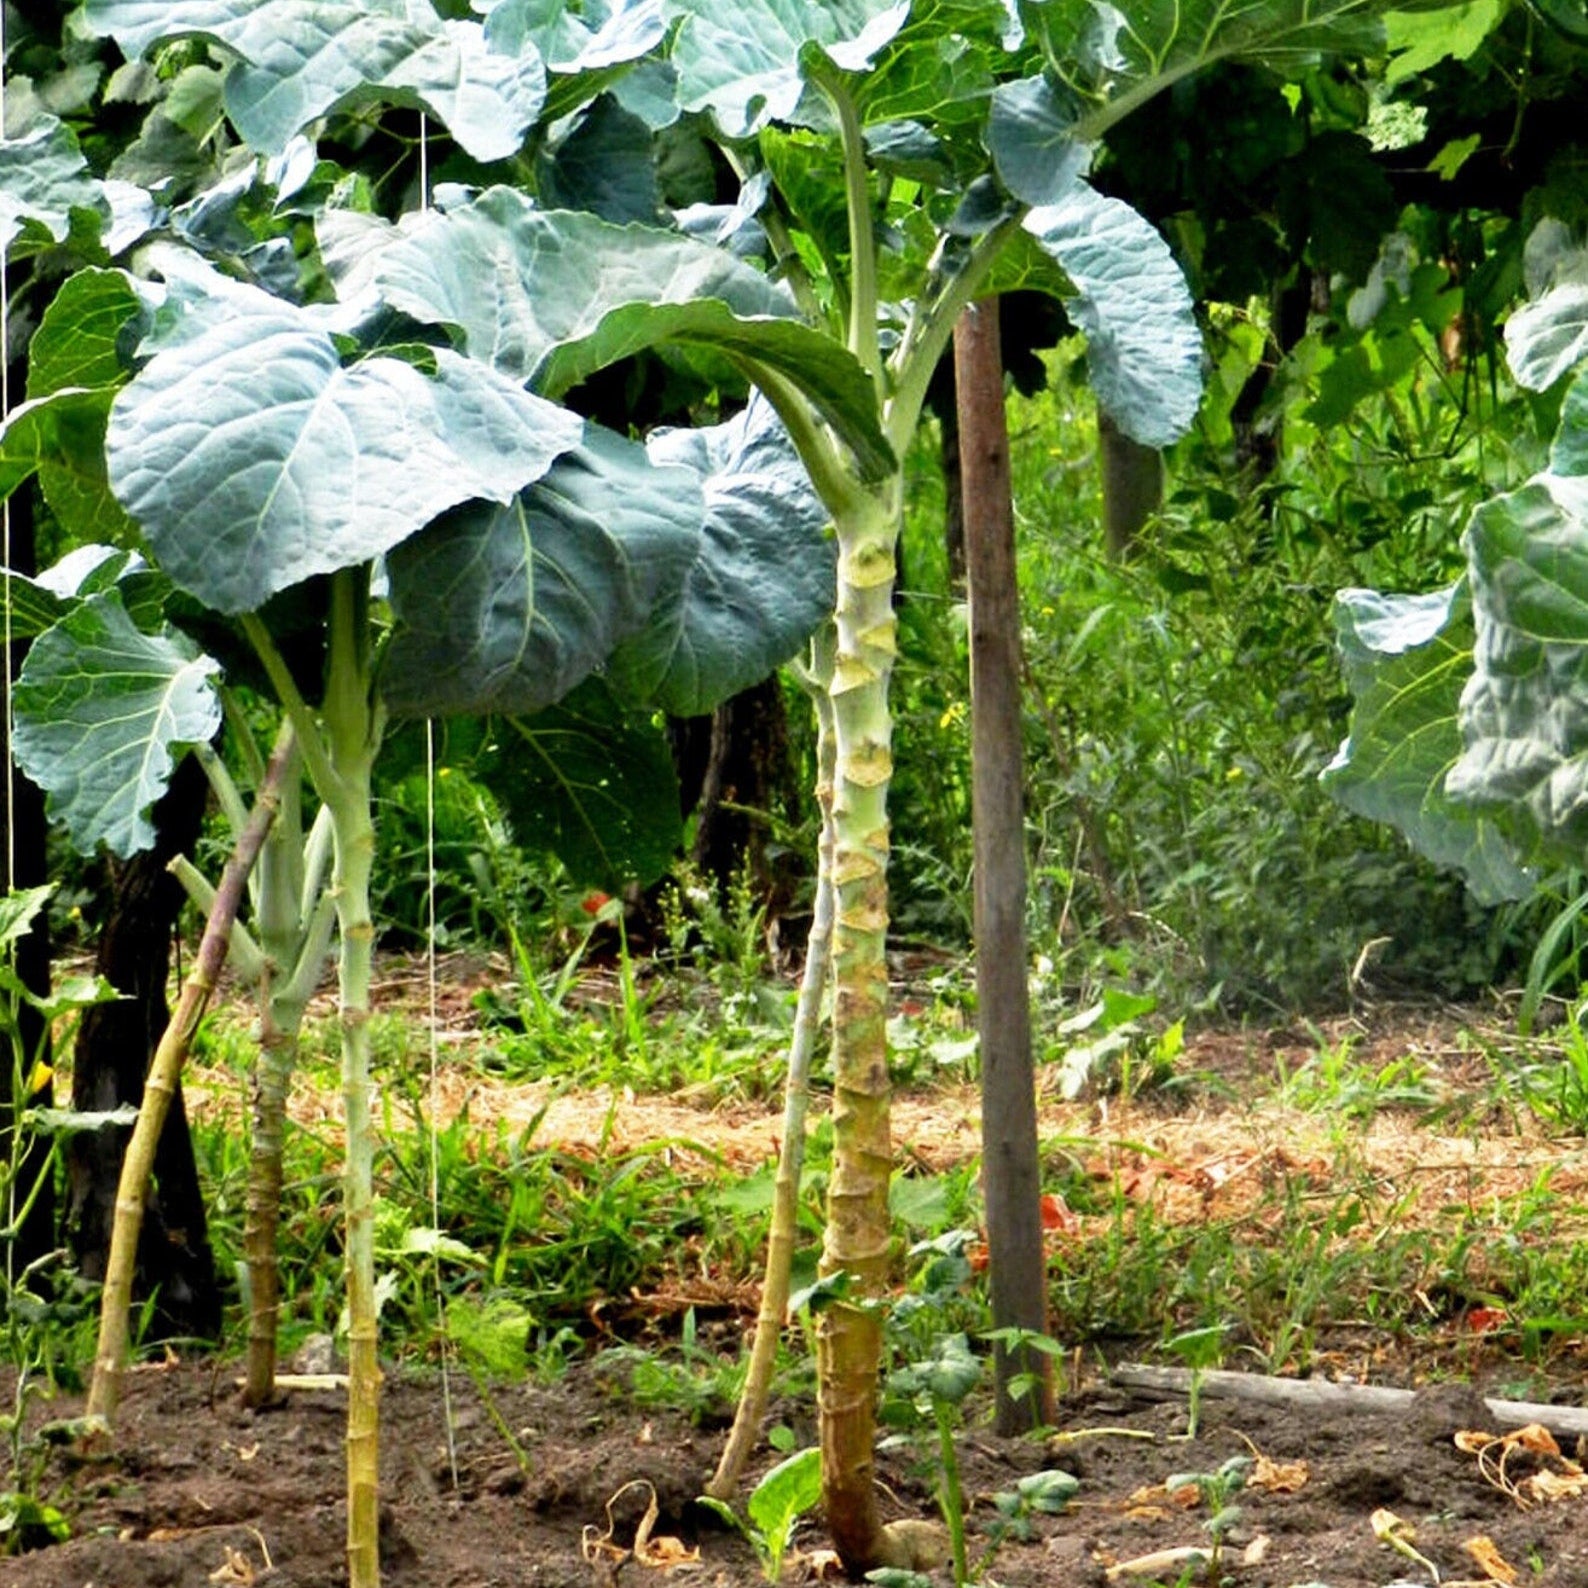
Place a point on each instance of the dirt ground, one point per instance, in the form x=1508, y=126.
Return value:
x=199, y=1491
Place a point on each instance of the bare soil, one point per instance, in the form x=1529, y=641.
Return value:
x=198, y=1491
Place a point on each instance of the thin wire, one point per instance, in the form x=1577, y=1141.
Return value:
x=5, y=556
x=433, y=979
x=5, y=519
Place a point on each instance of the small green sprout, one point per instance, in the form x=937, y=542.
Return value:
x=775, y=1506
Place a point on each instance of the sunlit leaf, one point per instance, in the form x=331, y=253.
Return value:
x=1143, y=348
x=103, y=712
x=1525, y=712
x=297, y=60
x=252, y=458
x=1407, y=660
x=43, y=180
x=743, y=62
x=553, y=296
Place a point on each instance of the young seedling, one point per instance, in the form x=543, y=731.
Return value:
x=1043, y=1493
x=1199, y=1349
x=775, y=1506
x=1217, y=1491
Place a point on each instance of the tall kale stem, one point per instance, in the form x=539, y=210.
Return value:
x=796, y=1099
x=111, y=1353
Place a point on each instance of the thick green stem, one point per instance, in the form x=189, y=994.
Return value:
x=295, y=951
x=160, y=1086
x=278, y=1044
x=796, y=1099
x=352, y=726
x=864, y=342
x=247, y=958
x=950, y=1493
x=849, y=1336
x=917, y=357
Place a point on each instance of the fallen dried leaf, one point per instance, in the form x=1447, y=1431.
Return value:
x=1278, y=1477
x=1155, y=1497
x=1549, y=1486
x=1489, y=1559
x=236, y=1568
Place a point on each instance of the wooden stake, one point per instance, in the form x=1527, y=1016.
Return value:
x=1011, y=1168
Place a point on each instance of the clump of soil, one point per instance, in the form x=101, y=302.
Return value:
x=198, y=1491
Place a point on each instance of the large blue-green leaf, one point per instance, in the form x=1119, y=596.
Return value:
x=1031, y=138
x=742, y=62
x=685, y=570
x=1143, y=348
x=1525, y=711
x=586, y=38
x=605, y=163
x=1568, y=456
x=1407, y=659
x=102, y=713
x=253, y=458
x=552, y=296
x=44, y=181
x=590, y=783
x=1114, y=56
x=1546, y=338
x=297, y=60
x=762, y=580
x=507, y=608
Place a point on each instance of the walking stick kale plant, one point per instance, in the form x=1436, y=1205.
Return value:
x=898, y=160
x=388, y=473
x=271, y=453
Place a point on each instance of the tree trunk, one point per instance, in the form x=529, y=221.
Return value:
x=1132, y=487
x=114, y=1046
x=735, y=773
x=1011, y=1167
x=23, y=830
